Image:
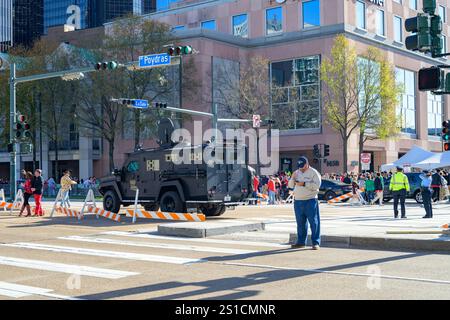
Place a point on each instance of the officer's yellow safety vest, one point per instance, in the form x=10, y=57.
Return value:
x=399, y=181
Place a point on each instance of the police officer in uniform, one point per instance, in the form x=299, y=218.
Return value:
x=399, y=186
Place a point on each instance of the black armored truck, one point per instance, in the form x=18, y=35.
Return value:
x=179, y=177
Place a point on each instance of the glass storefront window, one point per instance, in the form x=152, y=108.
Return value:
x=406, y=109
x=311, y=13
x=274, y=21
x=296, y=93
x=240, y=25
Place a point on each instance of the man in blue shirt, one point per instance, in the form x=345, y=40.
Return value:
x=426, y=191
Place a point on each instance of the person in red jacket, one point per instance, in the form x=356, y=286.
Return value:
x=36, y=187
x=271, y=189
x=255, y=188
x=26, y=194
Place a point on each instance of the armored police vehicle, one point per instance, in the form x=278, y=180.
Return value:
x=195, y=184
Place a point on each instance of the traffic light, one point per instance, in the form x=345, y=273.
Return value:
x=422, y=40
x=429, y=6
x=127, y=102
x=316, y=152
x=431, y=79
x=22, y=128
x=446, y=135
x=108, y=65
x=427, y=27
x=179, y=51
x=160, y=105
x=326, y=150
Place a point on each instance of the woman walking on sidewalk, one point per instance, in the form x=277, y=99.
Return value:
x=26, y=194
x=36, y=187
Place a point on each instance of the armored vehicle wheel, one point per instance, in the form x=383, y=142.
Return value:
x=111, y=201
x=151, y=207
x=214, y=211
x=171, y=202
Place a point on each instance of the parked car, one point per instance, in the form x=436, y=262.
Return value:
x=414, y=188
x=330, y=189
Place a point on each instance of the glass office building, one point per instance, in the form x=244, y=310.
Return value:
x=28, y=21
x=5, y=24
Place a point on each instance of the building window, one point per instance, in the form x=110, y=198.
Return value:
x=274, y=21
x=413, y=4
x=444, y=45
x=443, y=14
x=360, y=15
x=296, y=93
x=380, y=23
x=178, y=28
x=240, y=26
x=164, y=4
x=435, y=114
x=398, y=31
x=210, y=25
x=311, y=13
x=407, y=102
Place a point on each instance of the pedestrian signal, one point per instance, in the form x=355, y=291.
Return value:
x=431, y=79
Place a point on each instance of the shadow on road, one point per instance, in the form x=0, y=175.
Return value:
x=237, y=283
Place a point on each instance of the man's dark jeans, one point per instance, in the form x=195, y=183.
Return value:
x=399, y=195
x=427, y=202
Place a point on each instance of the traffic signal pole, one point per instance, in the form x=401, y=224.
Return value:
x=12, y=123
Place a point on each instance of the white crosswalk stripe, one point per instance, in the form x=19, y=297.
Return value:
x=157, y=245
x=14, y=290
x=104, y=253
x=65, y=268
x=201, y=240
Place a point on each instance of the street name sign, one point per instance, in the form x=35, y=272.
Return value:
x=154, y=60
x=140, y=104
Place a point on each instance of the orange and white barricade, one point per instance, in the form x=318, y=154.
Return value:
x=341, y=198
x=2, y=198
x=138, y=213
x=446, y=226
x=104, y=213
x=8, y=205
x=69, y=212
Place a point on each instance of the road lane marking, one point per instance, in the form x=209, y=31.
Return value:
x=355, y=274
x=14, y=290
x=65, y=268
x=202, y=240
x=158, y=245
x=104, y=253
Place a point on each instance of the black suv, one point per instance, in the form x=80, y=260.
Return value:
x=414, y=187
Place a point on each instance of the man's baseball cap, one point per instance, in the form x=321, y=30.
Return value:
x=399, y=169
x=301, y=162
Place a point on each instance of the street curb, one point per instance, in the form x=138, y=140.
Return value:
x=380, y=242
x=207, y=229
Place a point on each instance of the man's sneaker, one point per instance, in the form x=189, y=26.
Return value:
x=316, y=247
x=404, y=218
x=297, y=246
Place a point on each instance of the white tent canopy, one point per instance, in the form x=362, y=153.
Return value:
x=437, y=160
x=413, y=156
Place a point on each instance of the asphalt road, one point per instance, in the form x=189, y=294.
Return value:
x=62, y=258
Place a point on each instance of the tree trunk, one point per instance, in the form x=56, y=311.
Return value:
x=111, y=155
x=345, y=153
x=56, y=157
x=361, y=149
